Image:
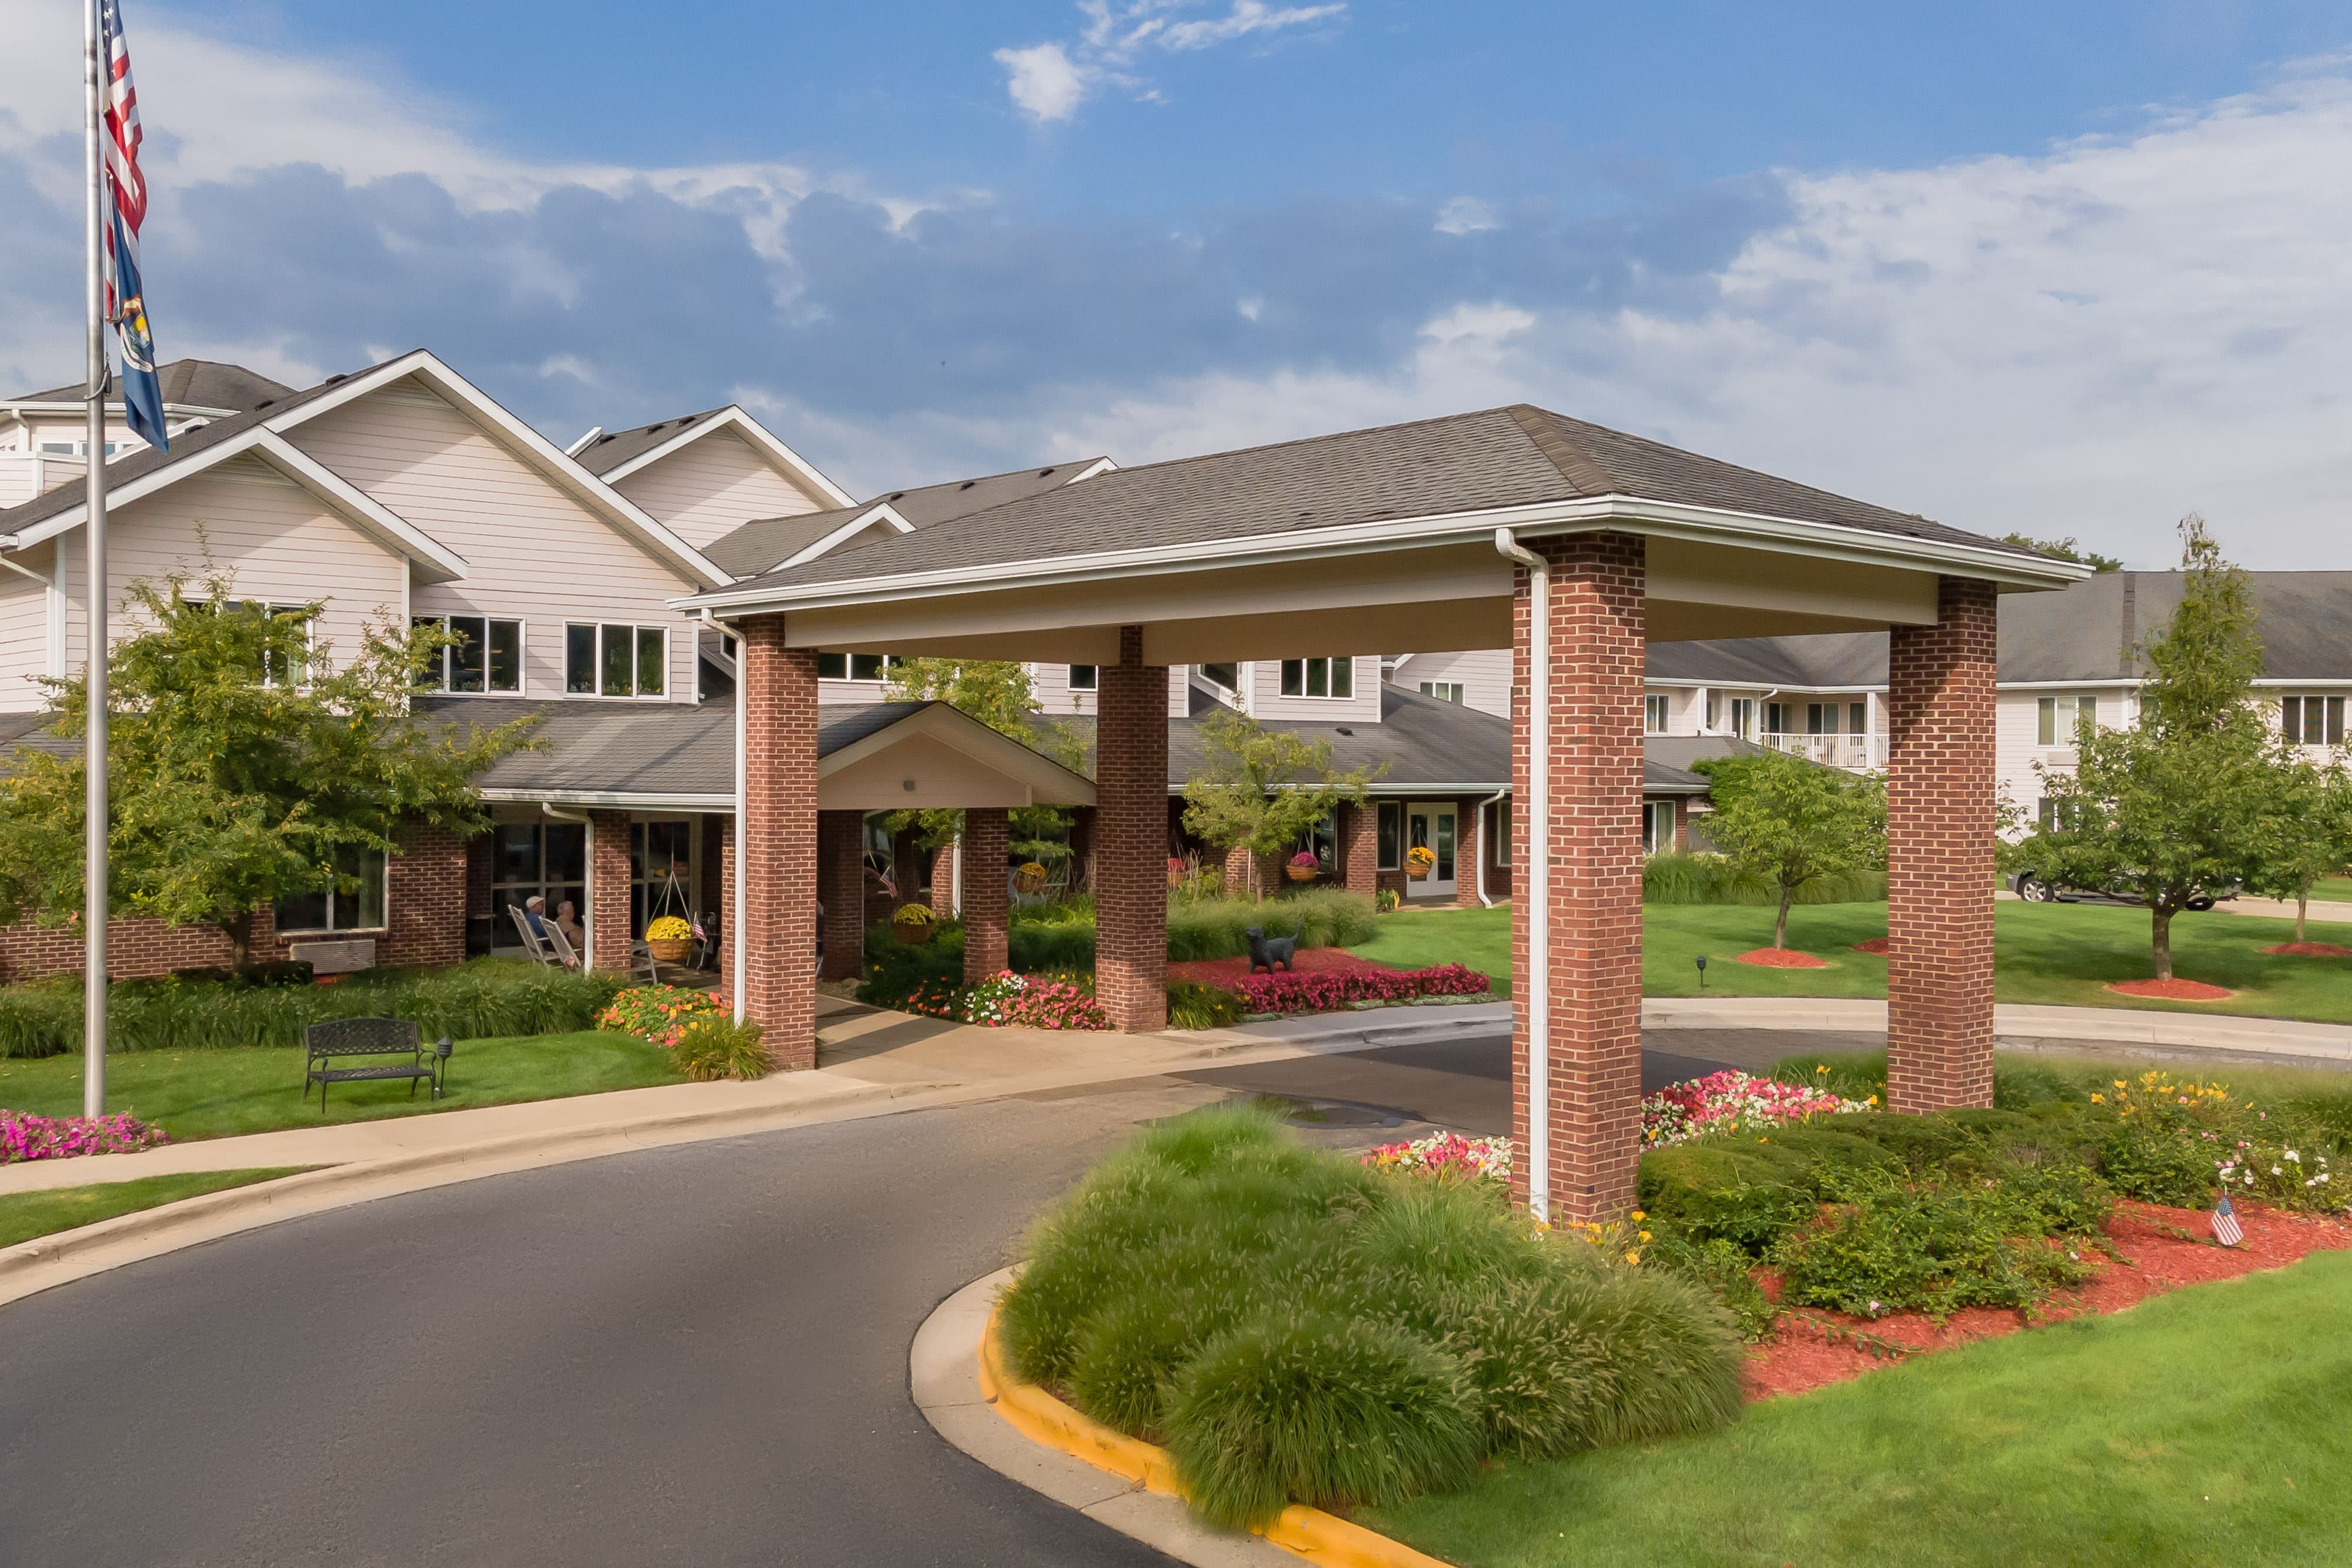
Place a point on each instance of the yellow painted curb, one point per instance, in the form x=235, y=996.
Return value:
x=1317, y=1536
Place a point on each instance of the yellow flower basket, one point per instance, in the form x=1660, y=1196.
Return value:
x=1029, y=879
x=1421, y=860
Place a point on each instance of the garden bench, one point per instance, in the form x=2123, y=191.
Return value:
x=344, y=1039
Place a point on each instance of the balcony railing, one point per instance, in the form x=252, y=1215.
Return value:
x=1862, y=753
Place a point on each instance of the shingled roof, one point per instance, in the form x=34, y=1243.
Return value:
x=614, y=447
x=1500, y=457
x=191, y=383
x=758, y=547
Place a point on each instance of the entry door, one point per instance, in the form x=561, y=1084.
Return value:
x=1432, y=827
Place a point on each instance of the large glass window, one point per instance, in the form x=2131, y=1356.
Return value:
x=485, y=657
x=354, y=904
x=2312, y=721
x=661, y=872
x=1657, y=827
x=854, y=666
x=1085, y=677
x=549, y=860
x=1391, y=835
x=2056, y=719
x=1777, y=716
x=617, y=660
x=1444, y=691
x=1654, y=714
x=1318, y=677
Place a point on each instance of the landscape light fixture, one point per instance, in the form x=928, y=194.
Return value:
x=1701, y=961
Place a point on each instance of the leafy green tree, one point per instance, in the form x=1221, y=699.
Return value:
x=1262, y=788
x=2067, y=548
x=2177, y=807
x=2307, y=834
x=1792, y=822
x=999, y=695
x=244, y=765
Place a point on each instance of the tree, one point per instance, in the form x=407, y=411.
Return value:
x=1792, y=822
x=2177, y=806
x=2307, y=834
x=245, y=767
x=1263, y=788
x=999, y=695
x=2066, y=549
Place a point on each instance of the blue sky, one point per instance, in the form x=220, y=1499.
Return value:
x=2065, y=267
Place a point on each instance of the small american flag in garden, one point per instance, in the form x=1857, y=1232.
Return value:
x=2225, y=1223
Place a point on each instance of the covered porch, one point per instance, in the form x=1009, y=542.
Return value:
x=1571, y=545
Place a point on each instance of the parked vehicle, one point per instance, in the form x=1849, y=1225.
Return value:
x=2036, y=889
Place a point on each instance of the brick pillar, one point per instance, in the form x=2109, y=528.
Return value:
x=1131, y=834
x=907, y=865
x=1237, y=871
x=778, y=856
x=1359, y=849
x=481, y=850
x=609, y=934
x=1469, y=850
x=424, y=900
x=1593, y=974
x=841, y=888
x=987, y=900
x=943, y=880
x=1082, y=847
x=1939, y=853
x=724, y=902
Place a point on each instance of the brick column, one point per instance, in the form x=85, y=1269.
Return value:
x=1469, y=850
x=424, y=899
x=609, y=934
x=1131, y=839
x=1360, y=848
x=1939, y=853
x=987, y=900
x=778, y=856
x=1237, y=872
x=943, y=880
x=1592, y=975
x=841, y=888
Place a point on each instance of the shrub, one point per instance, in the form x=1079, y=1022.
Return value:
x=25, y=1137
x=1712, y=879
x=657, y=1014
x=1194, y=1006
x=711, y=1046
x=1316, y=916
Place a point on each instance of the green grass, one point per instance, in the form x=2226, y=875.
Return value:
x=2061, y=955
x=2201, y=1426
x=26, y=1215
x=217, y=1093
x=2332, y=889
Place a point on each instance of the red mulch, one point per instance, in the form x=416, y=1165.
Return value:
x=2311, y=950
x=1810, y=1347
x=1876, y=945
x=1779, y=958
x=2173, y=990
x=1311, y=961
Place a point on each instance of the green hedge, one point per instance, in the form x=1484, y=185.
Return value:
x=486, y=997
x=1712, y=879
x=1317, y=917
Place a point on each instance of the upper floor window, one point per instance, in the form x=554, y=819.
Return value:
x=1777, y=716
x=1445, y=691
x=617, y=660
x=280, y=667
x=1085, y=677
x=1318, y=677
x=854, y=666
x=485, y=657
x=1743, y=717
x=2312, y=721
x=1226, y=676
x=2057, y=720
x=1654, y=714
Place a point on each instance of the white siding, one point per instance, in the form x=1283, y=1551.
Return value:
x=1055, y=695
x=709, y=489
x=532, y=553
x=24, y=635
x=1261, y=684
x=1483, y=675
x=279, y=543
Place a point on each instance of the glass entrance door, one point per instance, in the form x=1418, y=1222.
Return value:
x=1433, y=827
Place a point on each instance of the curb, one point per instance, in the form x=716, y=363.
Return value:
x=949, y=1357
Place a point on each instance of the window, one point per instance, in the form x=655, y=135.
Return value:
x=277, y=668
x=1085, y=677
x=2312, y=721
x=1714, y=708
x=615, y=661
x=1445, y=691
x=661, y=872
x=1391, y=835
x=1654, y=714
x=1318, y=677
x=1777, y=716
x=354, y=904
x=1497, y=830
x=1226, y=676
x=1321, y=840
x=853, y=666
x=1657, y=827
x=1858, y=717
x=485, y=657
x=544, y=859
x=2058, y=719
x=1743, y=717
x=1821, y=719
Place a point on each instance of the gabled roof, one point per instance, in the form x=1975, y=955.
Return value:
x=192, y=384
x=614, y=456
x=1427, y=481
x=769, y=542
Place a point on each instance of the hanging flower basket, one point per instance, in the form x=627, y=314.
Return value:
x=1029, y=880
x=912, y=925
x=1421, y=860
x=669, y=939
x=1302, y=867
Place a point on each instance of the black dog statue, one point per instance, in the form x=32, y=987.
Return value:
x=1266, y=951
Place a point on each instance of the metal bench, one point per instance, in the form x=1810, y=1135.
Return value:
x=340, y=1040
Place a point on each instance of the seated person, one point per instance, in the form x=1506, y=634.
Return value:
x=567, y=922
x=534, y=915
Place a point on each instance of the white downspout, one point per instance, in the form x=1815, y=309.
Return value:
x=736, y=901
x=1486, y=850
x=1539, y=890
x=955, y=877
x=588, y=874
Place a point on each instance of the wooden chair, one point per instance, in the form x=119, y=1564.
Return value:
x=539, y=951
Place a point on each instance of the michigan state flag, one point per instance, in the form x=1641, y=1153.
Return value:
x=126, y=209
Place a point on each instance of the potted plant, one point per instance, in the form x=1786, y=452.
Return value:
x=1420, y=859
x=1302, y=867
x=669, y=938
x=1029, y=880
x=913, y=924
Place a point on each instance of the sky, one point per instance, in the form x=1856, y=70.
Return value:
x=2068, y=269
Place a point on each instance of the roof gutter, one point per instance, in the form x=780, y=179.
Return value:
x=1538, y=841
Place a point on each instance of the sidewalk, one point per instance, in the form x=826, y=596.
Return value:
x=2016, y=1024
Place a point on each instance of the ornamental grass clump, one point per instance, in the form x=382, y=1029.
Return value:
x=712, y=1046
x=1297, y=1326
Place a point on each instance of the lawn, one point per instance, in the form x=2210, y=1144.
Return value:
x=2201, y=1426
x=217, y=1093
x=26, y=1215
x=2056, y=954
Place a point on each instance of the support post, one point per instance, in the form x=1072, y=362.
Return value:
x=987, y=900
x=1940, y=823
x=1131, y=840
x=777, y=860
x=609, y=932
x=841, y=889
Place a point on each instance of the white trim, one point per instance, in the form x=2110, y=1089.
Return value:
x=1660, y=519
x=960, y=731
x=1099, y=466
x=581, y=445
x=633, y=800
x=883, y=512
x=731, y=417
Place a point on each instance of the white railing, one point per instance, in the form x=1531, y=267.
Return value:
x=1862, y=753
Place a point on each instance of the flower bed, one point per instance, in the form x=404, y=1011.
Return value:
x=1733, y=1102
x=1447, y=1156
x=1331, y=990
x=657, y=1013
x=1779, y=958
x=2173, y=990
x=1008, y=1000
x=25, y=1137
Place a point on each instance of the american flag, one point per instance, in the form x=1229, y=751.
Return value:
x=126, y=210
x=2225, y=1223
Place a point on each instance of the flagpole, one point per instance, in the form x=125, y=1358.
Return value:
x=94, y=885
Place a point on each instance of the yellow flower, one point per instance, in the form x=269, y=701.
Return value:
x=2098, y=1099
x=1874, y=1099
x=1638, y=1216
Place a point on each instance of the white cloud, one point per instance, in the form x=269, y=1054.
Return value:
x=1466, y=216
x=1048, y=82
